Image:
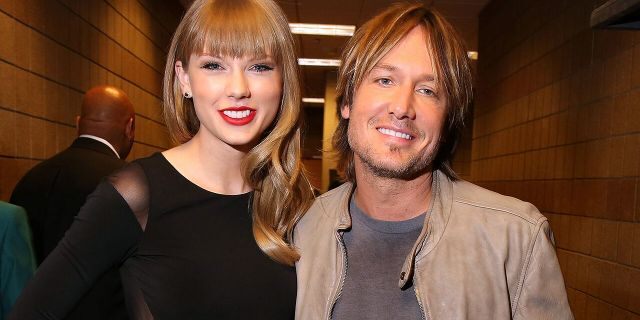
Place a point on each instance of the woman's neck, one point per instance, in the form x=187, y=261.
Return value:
x=210, y=164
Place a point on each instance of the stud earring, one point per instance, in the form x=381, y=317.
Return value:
x=188, y=95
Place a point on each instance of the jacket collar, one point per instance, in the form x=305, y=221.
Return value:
x=434, y=225
x=344, y=217
x=92, y=144
x=432, y=230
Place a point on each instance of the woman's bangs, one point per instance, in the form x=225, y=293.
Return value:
x=237, y=33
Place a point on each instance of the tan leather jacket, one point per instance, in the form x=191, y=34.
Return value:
x=480, y=255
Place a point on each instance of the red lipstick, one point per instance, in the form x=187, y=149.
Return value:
x=238, y=116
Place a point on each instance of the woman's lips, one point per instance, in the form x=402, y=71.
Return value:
x=238, y=116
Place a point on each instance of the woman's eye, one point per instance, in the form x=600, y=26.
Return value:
x=261, y=67
x=212, y=66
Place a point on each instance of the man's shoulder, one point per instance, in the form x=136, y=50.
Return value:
x=473, y=196
x=74, y=156
x=54, y=161
x=38, y=176
x=91, y=148
x=327, y=206
x=73, y=164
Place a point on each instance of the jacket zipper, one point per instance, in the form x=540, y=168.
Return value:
x=343, y=276
x=424, y=313
x=415, y=255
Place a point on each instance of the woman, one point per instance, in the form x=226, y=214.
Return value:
x=201, y=231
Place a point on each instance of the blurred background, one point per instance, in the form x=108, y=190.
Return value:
x=556, y=120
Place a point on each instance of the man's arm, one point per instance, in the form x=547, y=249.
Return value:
x=542, y=294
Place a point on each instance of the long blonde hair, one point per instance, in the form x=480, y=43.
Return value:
x=273, y=167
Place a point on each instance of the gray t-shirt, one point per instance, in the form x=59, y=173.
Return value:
x=376, y=251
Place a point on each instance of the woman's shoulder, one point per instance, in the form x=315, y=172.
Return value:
x=149, y=169
x=133, y=183
x=153, y=160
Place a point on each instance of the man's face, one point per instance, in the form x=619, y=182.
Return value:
x=398, y=112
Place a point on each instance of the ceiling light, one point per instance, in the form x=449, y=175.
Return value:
x=473, y=55
x=313, y=100
x=319, y=62
x=322, y=29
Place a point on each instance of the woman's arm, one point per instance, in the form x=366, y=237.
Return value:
x=104, y=233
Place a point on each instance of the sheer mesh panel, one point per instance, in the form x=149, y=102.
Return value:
x=132, y=184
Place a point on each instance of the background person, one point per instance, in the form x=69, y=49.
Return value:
x=53, y=191
x=17, y=262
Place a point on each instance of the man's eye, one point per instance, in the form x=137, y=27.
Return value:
x=426, y=92
x=212, y=66
x=384, y=81
x=261, y=67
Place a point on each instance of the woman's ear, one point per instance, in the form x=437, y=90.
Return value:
x=183, y=77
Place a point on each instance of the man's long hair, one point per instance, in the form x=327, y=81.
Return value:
x=373, y=41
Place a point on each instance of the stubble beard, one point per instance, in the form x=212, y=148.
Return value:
x=415, y=166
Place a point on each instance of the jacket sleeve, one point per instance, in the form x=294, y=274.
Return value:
x=101, y=237
x=542, y=294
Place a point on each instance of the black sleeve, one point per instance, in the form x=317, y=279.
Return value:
x=103, y=234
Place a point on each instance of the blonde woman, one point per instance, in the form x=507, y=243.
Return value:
x=201, y=231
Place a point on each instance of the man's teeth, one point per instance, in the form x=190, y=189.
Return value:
x=237, y=114
x=397, y=134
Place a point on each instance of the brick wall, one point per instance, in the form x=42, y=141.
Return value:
x=51, y=51
x=557, y=123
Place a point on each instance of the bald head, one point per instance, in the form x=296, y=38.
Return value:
x=106, y=112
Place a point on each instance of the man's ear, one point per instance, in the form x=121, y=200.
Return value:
x=131, y=127
x=183, y=77
x=345, y=111
x=78, y=124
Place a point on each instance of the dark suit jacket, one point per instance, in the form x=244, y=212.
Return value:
x=52, y=193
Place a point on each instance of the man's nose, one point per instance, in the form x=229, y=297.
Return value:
x=401, y=104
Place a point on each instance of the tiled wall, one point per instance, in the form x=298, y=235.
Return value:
x=557, y=123
x=461, y=161
x=51, y=51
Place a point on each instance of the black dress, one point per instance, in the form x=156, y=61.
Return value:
x=183, y=253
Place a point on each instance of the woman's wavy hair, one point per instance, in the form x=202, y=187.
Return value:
x=373, y=41
x=273, y=167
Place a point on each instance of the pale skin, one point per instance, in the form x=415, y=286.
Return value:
x=212, y=159
x=400, y=96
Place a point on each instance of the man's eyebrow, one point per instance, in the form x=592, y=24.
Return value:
x=430, y=78
x=391, y=68
x=385, y=67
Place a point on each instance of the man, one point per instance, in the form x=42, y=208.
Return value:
x=404, y=238
x=53, y=191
